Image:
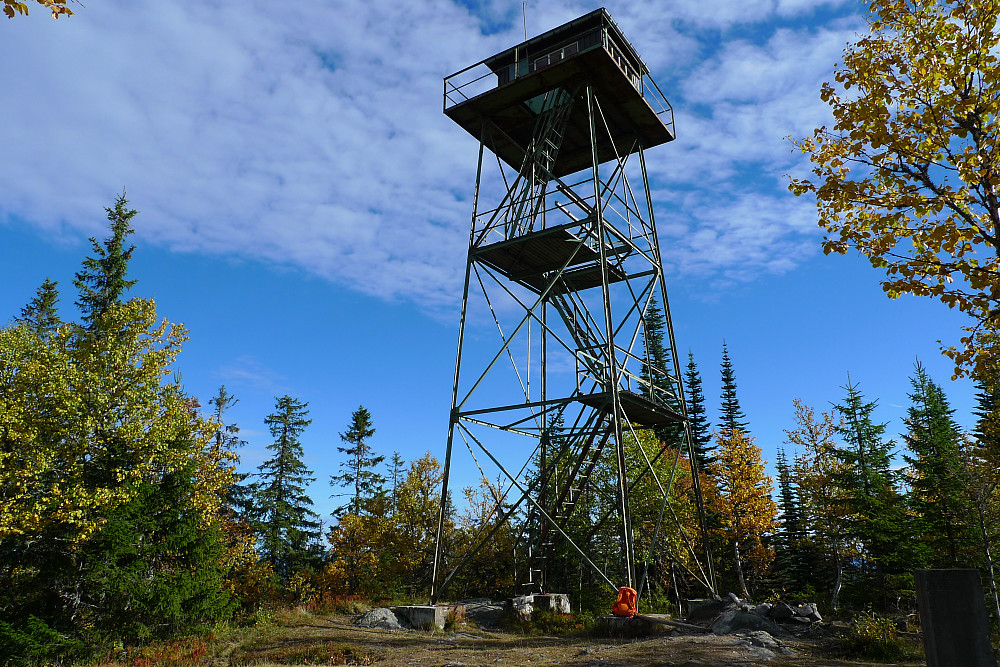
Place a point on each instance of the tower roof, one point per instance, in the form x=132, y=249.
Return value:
x=499, y=95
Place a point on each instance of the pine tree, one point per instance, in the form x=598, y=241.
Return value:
x=358, y=471
x=655, y=373
x=101, y=281
x=40, y=315
x=288, y=527
x=936, y=485
x=701, y=429
x=732, y=414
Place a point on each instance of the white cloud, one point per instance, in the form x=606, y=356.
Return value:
x=313, y=136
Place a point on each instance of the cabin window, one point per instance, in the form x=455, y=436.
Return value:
x=557, y=55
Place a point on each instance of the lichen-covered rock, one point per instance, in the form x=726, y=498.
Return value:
x=808, y=610
x=764, y=640
x=380, y=618
x=736, y=620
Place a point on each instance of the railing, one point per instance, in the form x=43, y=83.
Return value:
x=657, y=101
x=478, y=79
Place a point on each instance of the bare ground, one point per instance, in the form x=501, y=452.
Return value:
x=316, y=636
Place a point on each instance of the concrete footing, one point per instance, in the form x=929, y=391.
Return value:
x=558, y=602
x=427, y=616
x=520, y=607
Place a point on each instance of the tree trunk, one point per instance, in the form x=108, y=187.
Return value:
x=739, y=569
x=990, y=568
x=839, y=580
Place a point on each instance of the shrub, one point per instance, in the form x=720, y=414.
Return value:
x=550, y=622
x=876, y=637
x=35, y=642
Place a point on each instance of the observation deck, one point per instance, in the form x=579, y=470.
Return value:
x=507, y=90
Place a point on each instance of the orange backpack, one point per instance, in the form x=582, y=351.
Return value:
x=626, y=604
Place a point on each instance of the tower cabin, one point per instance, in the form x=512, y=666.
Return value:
x=499, y=99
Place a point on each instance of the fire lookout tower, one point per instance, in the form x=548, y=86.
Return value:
x=564, y=263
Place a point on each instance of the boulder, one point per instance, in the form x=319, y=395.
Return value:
x=764, y=640
x=763, y=609
x=781, y=612
x=381, y=618
x=483, y=612
x=705, y=609
x=735, y=620
x=808, y=610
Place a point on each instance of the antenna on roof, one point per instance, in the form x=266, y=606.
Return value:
x=524, y=20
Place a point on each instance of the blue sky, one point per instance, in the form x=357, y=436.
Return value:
x=304, y=204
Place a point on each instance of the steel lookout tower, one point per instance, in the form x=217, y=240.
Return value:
x=556, y=392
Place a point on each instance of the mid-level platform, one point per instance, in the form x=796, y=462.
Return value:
x=638, y=409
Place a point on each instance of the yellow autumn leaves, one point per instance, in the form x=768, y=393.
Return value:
x=909, y=175
x=86, y=418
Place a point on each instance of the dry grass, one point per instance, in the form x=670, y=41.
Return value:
x=301, y=637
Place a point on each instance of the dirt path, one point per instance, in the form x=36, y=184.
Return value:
x=335, y=635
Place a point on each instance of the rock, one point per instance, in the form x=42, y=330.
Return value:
x=805, y=620
x=734, y=621
x=380, y=618
x=765, y=640
x=781, y=612
x=704, y=609
x=763, y=608
x=808, y=610
x=483, y=612
x=758, y=653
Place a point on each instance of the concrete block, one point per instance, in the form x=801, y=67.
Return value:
x=521, y=606
x=953, y=616
x=425, y=616
x=558, y=602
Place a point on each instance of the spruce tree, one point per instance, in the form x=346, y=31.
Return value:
x=790, y=560
x=358, y=473
x=701, y=429
x=101, y=282
x=227, y=438
x=876, y=517
x=288, y=527
x=732, y=415
x=936, y=484
x=987, y=413
x=40, y=315
x=396, y=467
x=656, y=375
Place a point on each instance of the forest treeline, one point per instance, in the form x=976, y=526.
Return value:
x=125, y=516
